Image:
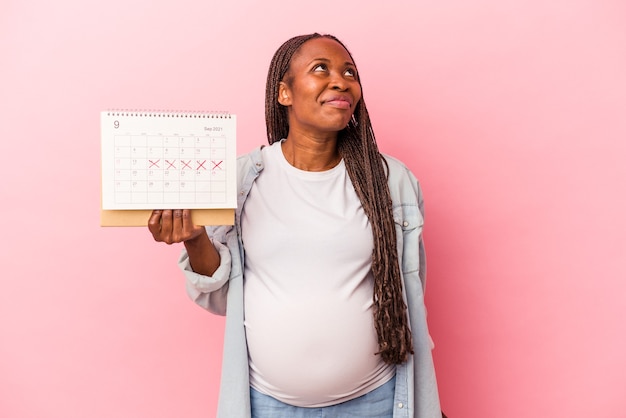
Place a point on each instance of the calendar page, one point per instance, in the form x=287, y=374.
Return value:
x=168, y=160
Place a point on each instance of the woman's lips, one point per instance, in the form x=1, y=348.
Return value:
x=339, y=102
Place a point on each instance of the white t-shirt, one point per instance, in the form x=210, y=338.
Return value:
x=308, y=286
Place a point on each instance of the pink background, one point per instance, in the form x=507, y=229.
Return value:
x=512, y=114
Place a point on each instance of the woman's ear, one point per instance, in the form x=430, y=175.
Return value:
x=284, y=95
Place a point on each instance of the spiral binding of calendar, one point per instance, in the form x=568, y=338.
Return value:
x=169, y=114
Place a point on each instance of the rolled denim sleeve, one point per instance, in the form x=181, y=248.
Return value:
x=208, y=291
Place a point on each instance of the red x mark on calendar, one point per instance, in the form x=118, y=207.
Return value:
x=216, y=164
x=170, y=164
x=154, y=163
x=185, y=164
x=201, y=165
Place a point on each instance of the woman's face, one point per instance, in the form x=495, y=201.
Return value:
x=321, y=88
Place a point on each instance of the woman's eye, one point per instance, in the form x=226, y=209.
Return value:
x=350, y=72
x=320, y=67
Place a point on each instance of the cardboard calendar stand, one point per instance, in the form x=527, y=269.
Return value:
x=140, y=217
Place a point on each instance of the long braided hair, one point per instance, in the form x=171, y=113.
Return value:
x=366, y=168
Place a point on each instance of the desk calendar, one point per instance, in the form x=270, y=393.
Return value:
x=167, y=160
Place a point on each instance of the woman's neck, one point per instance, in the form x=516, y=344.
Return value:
x=311, y=154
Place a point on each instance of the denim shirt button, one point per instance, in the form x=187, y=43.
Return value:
x=400, y=405
x=405, y=223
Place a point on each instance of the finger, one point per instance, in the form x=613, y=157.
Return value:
x=166, y=226
x=177, y=225
x=188, y=225
x=154, y=223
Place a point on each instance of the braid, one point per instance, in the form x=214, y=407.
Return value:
x=277, y=123
x=366, y=168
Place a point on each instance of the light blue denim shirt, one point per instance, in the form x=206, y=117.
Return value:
x=416, y=394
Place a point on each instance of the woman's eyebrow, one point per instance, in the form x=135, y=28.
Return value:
x=326, y=60
x=320, y=59
x=348, y=63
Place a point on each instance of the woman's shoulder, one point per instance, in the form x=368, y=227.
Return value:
x=403, y=185
x=397, y=169
x=250, y=160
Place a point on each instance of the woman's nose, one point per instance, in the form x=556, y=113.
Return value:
x=337, y=82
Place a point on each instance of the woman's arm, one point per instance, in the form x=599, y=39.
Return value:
x=174, y=226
